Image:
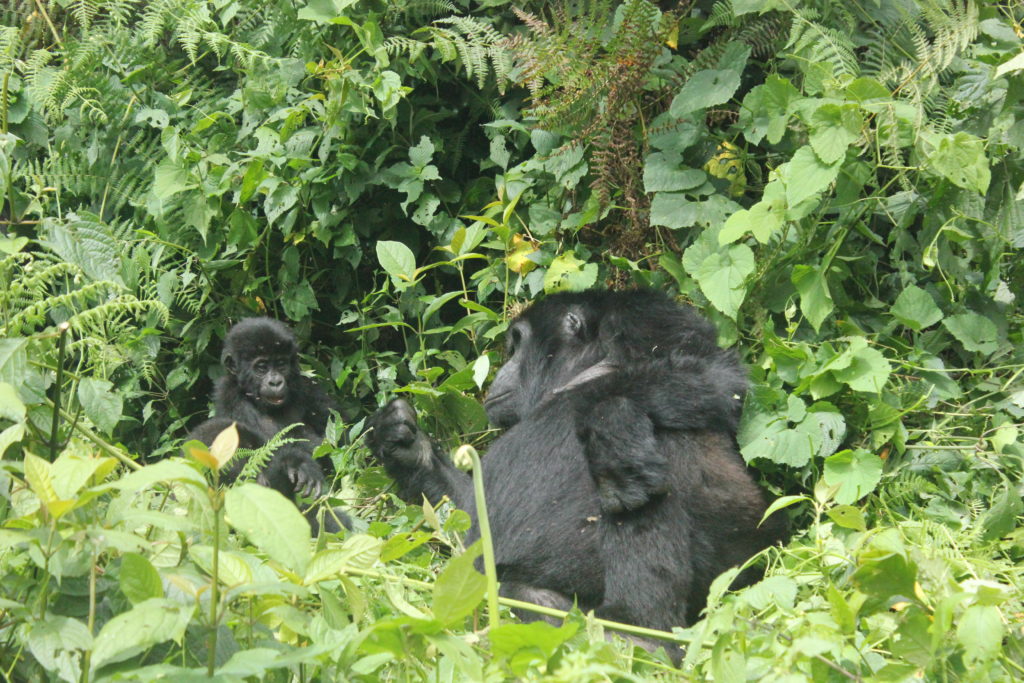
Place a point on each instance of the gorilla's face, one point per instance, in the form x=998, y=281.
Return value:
x=548, y=348
x=265, y=379
x=262, y=355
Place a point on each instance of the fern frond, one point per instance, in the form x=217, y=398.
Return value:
x=84, y=11
x=258, y=458
x=480, y=48
x=412, y=48
x=816, y=42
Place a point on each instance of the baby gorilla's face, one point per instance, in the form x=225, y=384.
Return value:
x=268, y=380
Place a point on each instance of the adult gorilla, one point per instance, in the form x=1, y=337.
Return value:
x=617, y=483
x=262, y=392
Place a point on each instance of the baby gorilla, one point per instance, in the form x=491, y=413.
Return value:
x=617, y=484
x=262, y=392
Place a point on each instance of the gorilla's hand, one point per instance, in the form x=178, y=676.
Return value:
x=294, y=473
x=396, y=439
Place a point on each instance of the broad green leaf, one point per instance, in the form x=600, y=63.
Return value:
x=705, y=89
x=359, y=551
x=396, y=259
x=568, y=273
x=669, y=133
x=163, y=471
x=673, y=210
x=815, y=299
x=722, y=277
x=806, y=176
x=13, y=245
x=139, y=579
x=421, y=154
x=786, y=446
x=169, y=179
x=663, y=173
x=271, y=522
x=12, y=435
x=780, y=503
x=884, y=571
x=459, y=588
x=254, y=175
x=1001, y=518
x=37, y=474
x=833, y=129
x=728, y=662
x=766, y=110
x=323, y=11
x=987, y=592
x=844, y=614
x=958, y=157
x=980, y=630
x=100, y=402
x=867, y=371
x=145, y=625
x=89, y=243
x=916, y=309
x=232, y=569
x=1015, y=63
x=481, y=368
x=856, y=472
x=57, y=643
x=847, y=517
x=508, y=639
x=283, y=198
x=976, y=332
x=11, y=406
x=70, y=472
x=762, y=220
x=865, y=89
x=775, y=590
x=251, y=664
x=13, y=361
x=400, y=544
x=740, y=7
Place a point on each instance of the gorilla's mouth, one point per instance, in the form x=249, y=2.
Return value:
x=495, y=399
x=274, y=400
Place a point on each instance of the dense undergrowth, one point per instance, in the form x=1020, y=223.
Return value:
x=839, y=186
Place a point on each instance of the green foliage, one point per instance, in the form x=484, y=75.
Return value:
x=837, y=186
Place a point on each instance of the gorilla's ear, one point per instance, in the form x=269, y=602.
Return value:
x=574, y=323
x=228, y=361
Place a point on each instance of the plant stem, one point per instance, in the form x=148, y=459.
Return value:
x=91, y=624
x=217, y=499
x=490, y=566
x=529, y=606
x=110, y=449
x=62, y=340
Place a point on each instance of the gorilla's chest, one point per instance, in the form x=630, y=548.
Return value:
x=541, y=499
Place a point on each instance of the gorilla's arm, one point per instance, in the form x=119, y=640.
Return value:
x=291, y=470
x=413, y=460
x=619, y=412
x=624, y=459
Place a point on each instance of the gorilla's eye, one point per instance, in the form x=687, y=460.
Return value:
x=515, y=337
x=260, y=366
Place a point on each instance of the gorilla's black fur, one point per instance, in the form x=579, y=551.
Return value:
x=617, y=483
x=262, y=391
